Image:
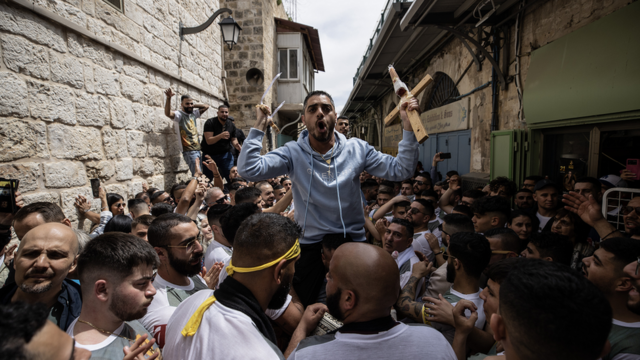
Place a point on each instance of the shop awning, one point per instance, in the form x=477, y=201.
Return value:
x=590, y=72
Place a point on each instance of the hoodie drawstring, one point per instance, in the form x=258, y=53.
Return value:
x=335, y=168
x=304, y=224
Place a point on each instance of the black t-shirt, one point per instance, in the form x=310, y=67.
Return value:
x=223, y=145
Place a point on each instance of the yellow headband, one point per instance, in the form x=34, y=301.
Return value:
x=291, y=254
x=194, y=322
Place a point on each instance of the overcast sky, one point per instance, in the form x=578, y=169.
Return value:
x=345, y=27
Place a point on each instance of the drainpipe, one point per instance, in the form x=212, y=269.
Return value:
x=494, y=84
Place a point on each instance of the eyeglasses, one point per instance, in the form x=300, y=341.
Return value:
x=626, y=210
x=191, y=245
x=414, y=211
x=441, y=228
x=447, y=256
x=419, y=182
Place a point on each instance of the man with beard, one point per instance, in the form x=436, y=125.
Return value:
x=186, y=127
x=279, y=192
x=266, y=194
x=325, y=166
x=419, y=215
x=362, y=286
x=421, y=183
x=438, y=282
x=524, y=199
x=175, y=240
x=230, y=323
x=116, y=271
x=605, y=269
x=632, y=271
x=217, y=141
x=343, y=125
x=46, y=255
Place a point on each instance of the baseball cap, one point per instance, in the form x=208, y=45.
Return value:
x=612, y=181
x=543, y=184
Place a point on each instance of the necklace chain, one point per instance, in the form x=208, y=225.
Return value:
x=322, y=156
x=103, y=330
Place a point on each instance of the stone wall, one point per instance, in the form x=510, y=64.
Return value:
x=541, y=25
x=72, y=109
x=256, y=49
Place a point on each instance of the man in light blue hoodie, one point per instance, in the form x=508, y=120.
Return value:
x=324, y=203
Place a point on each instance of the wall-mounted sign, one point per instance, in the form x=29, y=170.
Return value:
x=451, y=117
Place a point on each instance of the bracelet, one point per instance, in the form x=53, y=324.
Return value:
x=216, y=175
x=440, y=253
x=608, y=235
x=85, y=211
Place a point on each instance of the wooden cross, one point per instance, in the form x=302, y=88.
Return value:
x=414, y=117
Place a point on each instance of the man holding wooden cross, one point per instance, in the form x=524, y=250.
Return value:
x=324, y=167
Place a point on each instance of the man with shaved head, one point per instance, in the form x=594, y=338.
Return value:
x=362, y=286
x=230, y=322
x=47, y=253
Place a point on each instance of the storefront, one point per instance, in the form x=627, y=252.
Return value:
x=582, y=105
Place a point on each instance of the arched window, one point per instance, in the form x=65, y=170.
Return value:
x=442, y=91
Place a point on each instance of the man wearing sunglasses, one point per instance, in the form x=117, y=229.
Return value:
x=605, y=269
x=420, y=214
x=175, y=240
x=214, y=196
x=421, y=183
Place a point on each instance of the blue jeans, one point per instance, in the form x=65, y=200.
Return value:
x=224, y=163
x=190, y=158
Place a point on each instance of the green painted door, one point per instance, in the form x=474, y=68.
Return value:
x=502, y=153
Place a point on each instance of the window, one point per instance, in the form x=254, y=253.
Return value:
x=118, y=4
x=288, y=59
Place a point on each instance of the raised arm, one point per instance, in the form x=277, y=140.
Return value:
x=281, y=205
x=591, y=213
x=388, y=207
x=187, y=195
x=434, y=167
x=167, y=106
x=454, y=184
x=211, y=165
x=202, y=107
x=255, y=167
x=403, y=165
x=406, y=304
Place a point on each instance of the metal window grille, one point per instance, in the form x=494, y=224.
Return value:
x=612, y=202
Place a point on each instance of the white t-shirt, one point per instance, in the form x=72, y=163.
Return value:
x=421, y=244
x=216, y=252
x=168, y=297
x=453, y=297
x=111, y=347
x=224, y=333
x=543, y=221
x=414, y=341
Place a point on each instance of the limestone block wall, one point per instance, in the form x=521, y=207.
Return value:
x=256, y=49
x=73, y=108
x=541, y=25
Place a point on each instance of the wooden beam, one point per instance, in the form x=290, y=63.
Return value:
x=415, y=91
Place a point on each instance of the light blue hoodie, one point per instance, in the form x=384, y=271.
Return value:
x=321, y=207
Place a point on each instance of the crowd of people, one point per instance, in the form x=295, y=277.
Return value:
x=323, y=249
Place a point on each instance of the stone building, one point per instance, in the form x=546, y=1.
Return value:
x=81, y=93
x=557, y=100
